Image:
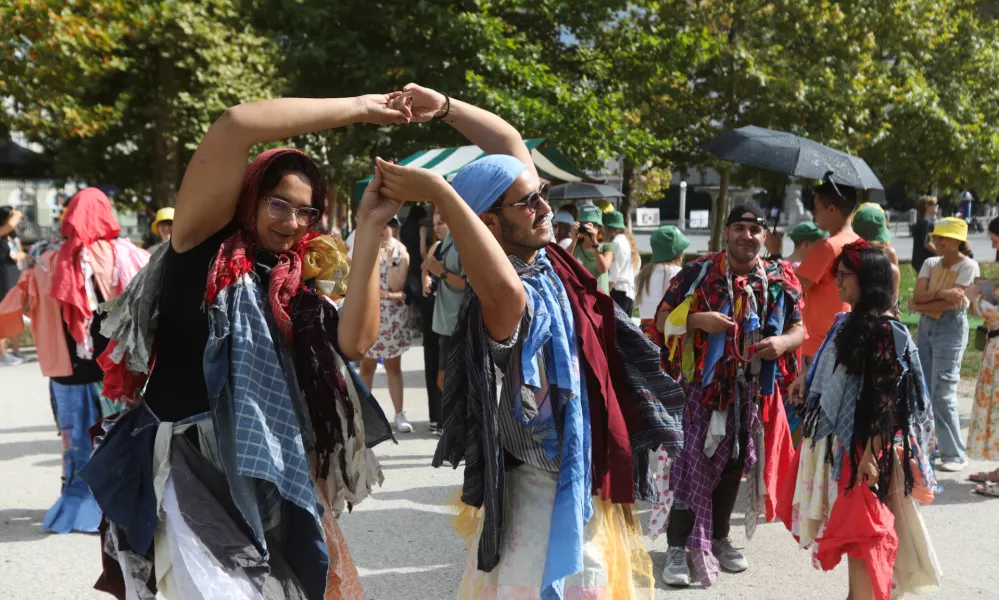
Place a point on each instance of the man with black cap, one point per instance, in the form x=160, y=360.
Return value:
x=731, y=322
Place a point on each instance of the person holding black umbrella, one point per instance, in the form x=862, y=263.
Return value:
x=834, y=203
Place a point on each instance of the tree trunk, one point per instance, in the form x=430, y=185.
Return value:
x=166, y=161
x=627, y=175
x=718, y=212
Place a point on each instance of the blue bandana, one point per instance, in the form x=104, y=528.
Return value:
x=481, y=182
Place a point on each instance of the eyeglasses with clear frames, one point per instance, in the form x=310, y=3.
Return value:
x=842, y=275
x=280, y=209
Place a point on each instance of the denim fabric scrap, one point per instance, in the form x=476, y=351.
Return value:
x=127, y=501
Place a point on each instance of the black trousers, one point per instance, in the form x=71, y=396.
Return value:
x=622, y=299
x=431, y=357
x=723, y=497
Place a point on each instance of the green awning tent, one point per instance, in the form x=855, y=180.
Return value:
x=551, y=164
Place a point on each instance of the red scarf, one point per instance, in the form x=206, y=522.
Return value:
x=610, y=418
x=88, y=219
x=235, y=257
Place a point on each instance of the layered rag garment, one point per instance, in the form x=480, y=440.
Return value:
x=33, y=290
x=284, y=447
x=733, y=407
x=579, y=381
x=60, y=289
x=824, y=505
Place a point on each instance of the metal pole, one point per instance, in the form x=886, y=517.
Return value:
x=681, y=221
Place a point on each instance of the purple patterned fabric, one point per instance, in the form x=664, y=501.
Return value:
x=696, y=475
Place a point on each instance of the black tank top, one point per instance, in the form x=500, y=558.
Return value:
x=177, y=387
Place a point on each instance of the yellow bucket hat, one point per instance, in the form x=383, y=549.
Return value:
x=951, y=227
x=163, y=214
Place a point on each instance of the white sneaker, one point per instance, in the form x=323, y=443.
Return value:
x=953, y=466
x=402, y=423
x=728, y=557
x=10, y=360
x=676, y=572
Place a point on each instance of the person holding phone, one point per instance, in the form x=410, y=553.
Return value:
x=587, y=248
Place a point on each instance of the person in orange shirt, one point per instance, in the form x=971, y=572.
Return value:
x=834, y=203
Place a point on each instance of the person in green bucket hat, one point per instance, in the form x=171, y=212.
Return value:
x=804, y=236
x=626, y=261
x=871, y=224
x=668, y=244
x=589, y=250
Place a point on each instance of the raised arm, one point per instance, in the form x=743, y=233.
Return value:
x=487, y=268
x=484, y=129
x=360, y=316
x=209, y=192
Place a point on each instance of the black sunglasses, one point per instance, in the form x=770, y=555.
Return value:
x=530, y=200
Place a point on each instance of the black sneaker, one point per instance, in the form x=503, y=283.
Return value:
x=435, y=428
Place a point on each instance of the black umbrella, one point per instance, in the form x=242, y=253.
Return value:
x=576, y=190
x=792, y=155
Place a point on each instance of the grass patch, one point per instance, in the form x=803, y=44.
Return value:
x=907, y=285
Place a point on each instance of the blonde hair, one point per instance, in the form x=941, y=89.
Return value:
x=636, y=259
x=645, y=275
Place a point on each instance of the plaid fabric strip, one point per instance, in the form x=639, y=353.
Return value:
x=658, y=398
x=268, y=433
x=697, y=475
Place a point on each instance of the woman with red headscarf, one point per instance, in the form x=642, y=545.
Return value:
x=248, y=432
x=62, y=290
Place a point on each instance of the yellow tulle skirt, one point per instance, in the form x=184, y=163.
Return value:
x=616, y=565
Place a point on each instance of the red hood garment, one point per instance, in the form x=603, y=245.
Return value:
x=88, y=222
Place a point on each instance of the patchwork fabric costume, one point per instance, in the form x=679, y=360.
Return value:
x=734, y=420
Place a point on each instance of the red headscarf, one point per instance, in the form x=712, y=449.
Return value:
x=88, y=219
x=850, y=256
x=235, y=257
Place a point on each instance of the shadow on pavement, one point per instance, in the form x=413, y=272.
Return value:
x=15, y=450
x=959, y=492
x=21, y=525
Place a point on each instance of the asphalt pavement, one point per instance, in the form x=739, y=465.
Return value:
x=400, y=537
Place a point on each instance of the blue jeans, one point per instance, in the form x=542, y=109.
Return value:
x=941, y=344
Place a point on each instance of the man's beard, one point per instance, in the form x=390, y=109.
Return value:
x=531, y=239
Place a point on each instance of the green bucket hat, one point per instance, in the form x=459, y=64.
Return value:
x=870, y=224
x=591, y=214
x=614, y=219
x=668, y=242
x=807, y=232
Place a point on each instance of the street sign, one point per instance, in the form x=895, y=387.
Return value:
x=647, y=217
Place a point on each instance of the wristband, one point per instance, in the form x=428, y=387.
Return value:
x=447, y=109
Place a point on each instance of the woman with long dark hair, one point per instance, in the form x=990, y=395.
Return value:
x=246, y=414
x=866, y=435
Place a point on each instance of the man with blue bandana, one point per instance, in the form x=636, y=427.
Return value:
x=551, y=452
